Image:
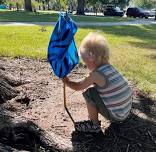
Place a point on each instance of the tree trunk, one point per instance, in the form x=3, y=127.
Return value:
x=155, y=14
x=17, y=6
x=22, y=134
x=28, y=6
x=7, y=87
x=6, y=148
x=18, y=133
x=7, y=90
x=80, y=7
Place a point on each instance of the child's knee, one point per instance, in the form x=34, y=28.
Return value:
x=88, y=95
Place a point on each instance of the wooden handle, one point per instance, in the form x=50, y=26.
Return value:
x=64, y=94
x=65, y=106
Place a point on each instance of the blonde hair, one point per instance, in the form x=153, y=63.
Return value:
x=94, y=46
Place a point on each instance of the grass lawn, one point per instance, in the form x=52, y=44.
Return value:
x=133, y=48
x=21, y=16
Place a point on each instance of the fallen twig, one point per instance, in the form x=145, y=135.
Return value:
x=127, y=149
x=147, y=146
x=149, y=133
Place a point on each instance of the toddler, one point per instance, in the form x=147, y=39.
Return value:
x=107, y=91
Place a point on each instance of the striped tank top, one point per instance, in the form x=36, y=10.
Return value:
x=116, y=94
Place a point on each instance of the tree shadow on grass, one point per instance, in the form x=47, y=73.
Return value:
x=153, y=56
x=144, y=45
x=146, y=33
x=145, y=105
x=133, y=135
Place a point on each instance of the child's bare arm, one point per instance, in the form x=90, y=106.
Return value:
x=93, y=78
x=79, y=85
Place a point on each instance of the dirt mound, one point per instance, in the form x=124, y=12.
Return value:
x=41, y=101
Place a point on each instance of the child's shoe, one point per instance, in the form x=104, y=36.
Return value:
x=88, y=126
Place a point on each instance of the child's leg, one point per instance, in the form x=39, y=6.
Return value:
x=93, y=125
x=92, y=112
x=95, y=104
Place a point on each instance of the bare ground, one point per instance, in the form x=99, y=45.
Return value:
x=41, y=101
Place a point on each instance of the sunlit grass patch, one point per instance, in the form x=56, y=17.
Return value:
x=133, y=48
x=23, y=41
x=51, y=16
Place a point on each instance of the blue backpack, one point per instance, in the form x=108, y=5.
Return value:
x=62, y=51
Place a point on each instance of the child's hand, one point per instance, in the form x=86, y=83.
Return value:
x=65, y=80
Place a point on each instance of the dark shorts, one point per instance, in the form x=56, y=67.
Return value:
x=92, y=97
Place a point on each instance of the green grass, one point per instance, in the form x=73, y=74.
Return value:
x=133, y=48
x=22, y=16
x=23, y=41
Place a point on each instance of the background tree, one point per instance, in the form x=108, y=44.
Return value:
x=144, y=3
x=74, y=4
x=2, y=1
x=59, y=4
x=80, y=7
x=27, y=5
x=154, y=2
x=64, y=4
x=55, y=5
x=36, y=5
x=121, y=3
x=95, y=4
x=18, y=4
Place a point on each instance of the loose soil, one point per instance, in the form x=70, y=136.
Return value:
x=41, y=101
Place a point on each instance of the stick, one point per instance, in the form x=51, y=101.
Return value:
x=65, y=105
x=127, y=150
x=64, y=94
x=136, y=142
x=149, y=133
